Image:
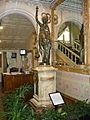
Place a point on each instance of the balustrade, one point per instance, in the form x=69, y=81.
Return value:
x=69, y=53
x=77, y=46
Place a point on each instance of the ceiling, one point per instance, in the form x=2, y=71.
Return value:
x=46, y=1
x=16, y=32
x=74, y=5
x=18, y=29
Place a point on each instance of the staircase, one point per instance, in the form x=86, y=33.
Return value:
x=68, y=55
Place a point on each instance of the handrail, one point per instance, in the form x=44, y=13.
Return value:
x=69, y=53
x=77, y=43
x=77, y=46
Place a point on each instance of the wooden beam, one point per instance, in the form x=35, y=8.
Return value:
x=55, y=3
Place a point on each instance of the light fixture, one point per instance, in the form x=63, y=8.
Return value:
x=1, y=27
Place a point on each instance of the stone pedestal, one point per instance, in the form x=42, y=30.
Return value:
x=44, y=83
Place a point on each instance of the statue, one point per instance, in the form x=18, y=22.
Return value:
x=44, y=38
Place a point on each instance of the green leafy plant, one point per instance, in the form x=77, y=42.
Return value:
x=15, y=108
x=71, y=111
x=52, y=114
x=77, y=109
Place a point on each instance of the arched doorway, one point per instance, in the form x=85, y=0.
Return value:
x=17, y=33
x=68, y=32
x=71, y=43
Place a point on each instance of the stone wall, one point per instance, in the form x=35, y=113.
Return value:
x=75, y=85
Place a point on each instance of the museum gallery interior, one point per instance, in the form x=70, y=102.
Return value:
x=44, y=45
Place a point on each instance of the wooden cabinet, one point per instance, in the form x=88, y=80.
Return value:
x=10, y=81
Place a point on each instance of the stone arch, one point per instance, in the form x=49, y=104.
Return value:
x=19, y=7
x=18, y=11
x=76, y=18
x=22, y=8
x=76, y=21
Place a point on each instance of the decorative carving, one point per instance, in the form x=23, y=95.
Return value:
x=86, y=18
x=36, y=51
x=49, y=17
x=55, y=19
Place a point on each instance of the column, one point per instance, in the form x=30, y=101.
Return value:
x=52, y=36
x=86, y=17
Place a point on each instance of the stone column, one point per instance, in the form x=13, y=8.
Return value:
x=52, y=36
x=53, y=6
x=86, y=17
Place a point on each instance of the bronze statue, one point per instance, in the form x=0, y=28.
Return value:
x=44, y=38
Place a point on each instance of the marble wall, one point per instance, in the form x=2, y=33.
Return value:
x=74, y=84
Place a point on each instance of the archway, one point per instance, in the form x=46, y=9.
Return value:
x=16, y=34
x=70, y=42
x=68, y=32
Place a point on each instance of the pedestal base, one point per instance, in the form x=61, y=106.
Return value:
x=44, y=84
x=37, y=106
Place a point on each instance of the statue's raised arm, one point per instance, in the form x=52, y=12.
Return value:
x=37, y=16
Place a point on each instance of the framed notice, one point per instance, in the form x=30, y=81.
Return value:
x=56, y=98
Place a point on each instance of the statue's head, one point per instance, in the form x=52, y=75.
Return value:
x=44, y=18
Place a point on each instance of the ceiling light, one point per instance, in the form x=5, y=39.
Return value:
x=1, y=27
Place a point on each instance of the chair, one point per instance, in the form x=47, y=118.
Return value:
x=14, y=69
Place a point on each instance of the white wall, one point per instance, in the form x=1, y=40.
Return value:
x=13, y=62
x=19, y=62
x=74, y=84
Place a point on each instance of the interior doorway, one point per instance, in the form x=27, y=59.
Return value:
x=4, y=62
